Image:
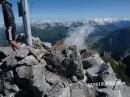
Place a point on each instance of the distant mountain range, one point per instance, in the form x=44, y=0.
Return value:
x=104, y=30
x=117, y=42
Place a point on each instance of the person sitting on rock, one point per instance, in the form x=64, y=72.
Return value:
x=10, y=25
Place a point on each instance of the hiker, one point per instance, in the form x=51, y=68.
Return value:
x=9, y=21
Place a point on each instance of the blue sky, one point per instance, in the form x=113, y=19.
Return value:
x=65, y=9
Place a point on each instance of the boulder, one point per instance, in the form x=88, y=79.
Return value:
x=98, y=73
x=108, y=74
x=111, y=93
x=97, y=70
x=43, y=62
x=22, y=53
x=38, y=53
x=23, y=72
x=29, y=60
x=66, y=62
x=125, y=91
x=54, y=60
x=10, y=61
x=86, y=64
x=59, y=92
x=10, y=75
x=92, y=72
x=53, y=79
x=94, y=60
x=38, y=44
x=47, y=44
x=7, y=85
x=4, y=52
x=38, y=79
x=83, y=92
x=28, y=76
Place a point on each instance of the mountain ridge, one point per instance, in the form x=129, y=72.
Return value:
x=45, y=71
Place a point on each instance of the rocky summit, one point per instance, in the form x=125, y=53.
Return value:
x=46, y=71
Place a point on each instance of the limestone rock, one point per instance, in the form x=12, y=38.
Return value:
x=94, y=60
x=10, y=61
x=22, y=53
x=67, y=62
x=38, y=53
x=53, y=79
x=59, y=92
x=47, y=44
x=38, y=79
x=29, y=60
x=24, y=72
x=83, y=92
x=5, y=51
